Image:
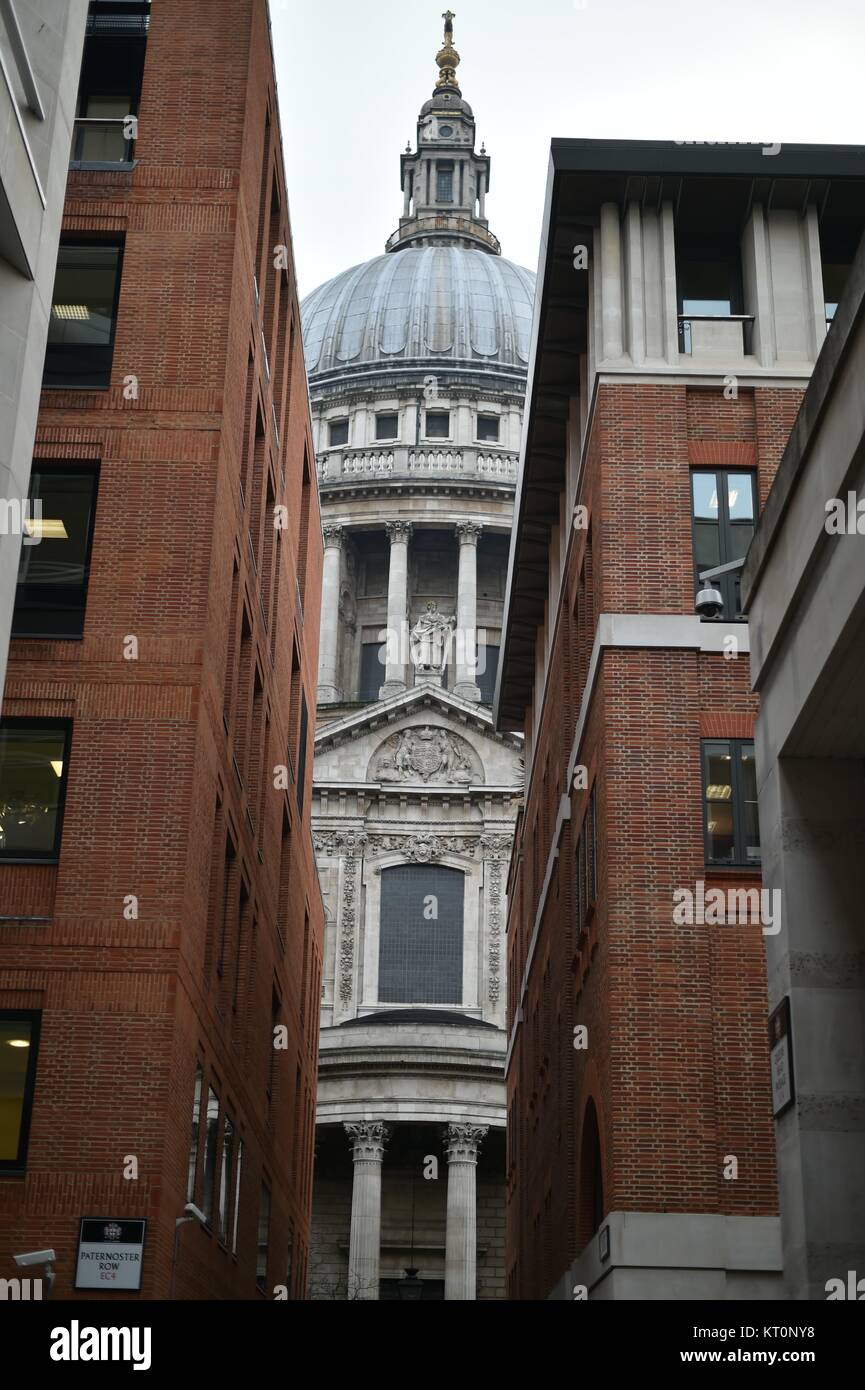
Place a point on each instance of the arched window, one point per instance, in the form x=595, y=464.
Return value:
x=420, y=950
x=591, y=1191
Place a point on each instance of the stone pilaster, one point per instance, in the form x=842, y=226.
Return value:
x=468, y=534
x=397, y=609
x=462, y=1142
x=368, y=1139
x=328, y=650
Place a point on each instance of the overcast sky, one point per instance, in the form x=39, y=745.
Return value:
x=352, y=77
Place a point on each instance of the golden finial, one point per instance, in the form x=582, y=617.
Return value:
x=447, y=56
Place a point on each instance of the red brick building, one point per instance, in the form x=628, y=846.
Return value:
x=683, y=296
x=160, y=916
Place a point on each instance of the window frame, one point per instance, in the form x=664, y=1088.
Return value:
x=737, y=804
x=441, y=414
x=386, y=438
x=494, y=419
x=729, y=584
x=74, y=469
x=51, y=856
x=91, y=240
x=18, y=1164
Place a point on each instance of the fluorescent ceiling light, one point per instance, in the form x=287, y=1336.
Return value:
x=18, y=1042
x=70, y=311
x=718, y=792
x=57, y=764
x=52, y=529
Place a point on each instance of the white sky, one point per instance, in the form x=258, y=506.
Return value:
x=352, y=78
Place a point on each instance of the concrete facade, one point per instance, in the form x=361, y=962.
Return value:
x=804, y=585
x=694, y=298
x=417, y=365
x=41, y=43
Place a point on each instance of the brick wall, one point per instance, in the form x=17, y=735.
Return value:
x=173, y=754
x=676, y=1067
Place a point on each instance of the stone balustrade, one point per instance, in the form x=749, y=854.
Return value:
x=338, y=465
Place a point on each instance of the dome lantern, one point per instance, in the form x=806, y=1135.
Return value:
x=444, y=181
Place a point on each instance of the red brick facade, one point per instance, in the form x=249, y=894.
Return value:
x=676, y=1068
x=171, y=790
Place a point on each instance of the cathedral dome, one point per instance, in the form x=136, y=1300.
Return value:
x=450, y=306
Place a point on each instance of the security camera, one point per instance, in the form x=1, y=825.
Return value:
x=36, y=1257
x=709, y=603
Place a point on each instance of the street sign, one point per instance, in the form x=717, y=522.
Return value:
x=110, y=1253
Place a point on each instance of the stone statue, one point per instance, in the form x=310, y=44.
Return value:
x=430, y=639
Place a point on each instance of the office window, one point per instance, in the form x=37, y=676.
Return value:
x=33, y=773
x=225, y=1177
x=732, y=831
x=338, y=432
x=386, y=426
x=587, y=862
x=263, y=1238
x=487, y=677
x=196, y=1134
x=723, y=511
x=83, y=315
x=211, y=1131
x=55, y=554
x=110, y=85
x=444, y=183
x=488, y=428
x=438, y=424
x=19, y=1045
x=421, y=935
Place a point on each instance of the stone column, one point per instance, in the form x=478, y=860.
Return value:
x=328, y=651
x=465, y=685
x=397, y=609
x=463, y=1142
x=482, y=192
x=368, y=1139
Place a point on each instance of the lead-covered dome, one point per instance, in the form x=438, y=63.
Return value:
x=453, y=306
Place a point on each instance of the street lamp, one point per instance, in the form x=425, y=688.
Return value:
x=410, y=1289
x=191, y=1213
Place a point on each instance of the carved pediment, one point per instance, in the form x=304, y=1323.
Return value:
x=427, y=754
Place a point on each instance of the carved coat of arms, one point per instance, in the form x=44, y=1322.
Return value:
x=427, y=755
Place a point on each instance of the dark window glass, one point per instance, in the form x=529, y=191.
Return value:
x=196, y=1131
x=19, y=1045
x=421, y=935
x=225, y=1177
x=338, y=432
x=444, y=183
x=371, y=670
x=386, y=426
x=488, y=428
x=710, y=285
x=211, y=1131
x=438, y=424
x=724, y=511
x=83, y=315
x=55, y=555
x=731, y=827
x=110, y=85
x=263, y=1238
x=236, y=1212
x=487, y=677
x=301, y=752
x=33, y=772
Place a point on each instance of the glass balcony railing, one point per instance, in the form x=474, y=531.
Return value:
x=102, y=140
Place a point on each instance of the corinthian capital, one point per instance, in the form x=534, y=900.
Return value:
x=468, y=532
x=333, y=535
x=398, y=531
x=463, y=1141
x=368, y=1139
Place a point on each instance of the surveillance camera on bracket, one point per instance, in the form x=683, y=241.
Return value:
x=35, y=1257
